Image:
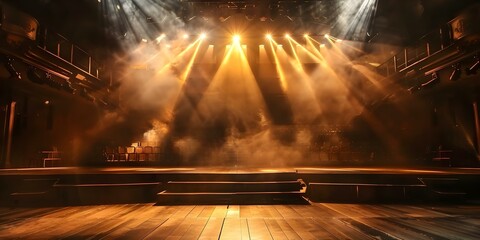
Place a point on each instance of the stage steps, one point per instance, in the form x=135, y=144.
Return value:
x=233, y=188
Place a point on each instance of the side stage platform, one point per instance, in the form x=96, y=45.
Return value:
x=66, y=186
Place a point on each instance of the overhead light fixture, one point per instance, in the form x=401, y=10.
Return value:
x=287, y=35
x=268, y=36
x=305, y=35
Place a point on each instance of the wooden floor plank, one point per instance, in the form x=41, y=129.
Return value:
x=233, y=211
x=196, y=211
x=212, y=229
x=195, y=229
x=142, y=230
x=183, y=211
x=273, y=212
x=275, y=230
x=206, y=212
x=165, y=229
x=220, y=211
x=287, y=211
x=181, y=228
x=258, y=229
x=298, y=226
x=391, y=229
x=232, y=229
x=287, y=229
x=340, y=230
x=129, y=225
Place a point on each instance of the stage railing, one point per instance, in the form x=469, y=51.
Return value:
x=427, y=46
x=59, y=46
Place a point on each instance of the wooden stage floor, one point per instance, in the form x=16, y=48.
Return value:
x=315, y=221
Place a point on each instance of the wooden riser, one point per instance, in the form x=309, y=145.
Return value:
x=107, y=193
x=355, y=193
x=187, y=187
x=165, y=198
x=231, y=177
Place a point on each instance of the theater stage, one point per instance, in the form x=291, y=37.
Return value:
x=237, y=185
x=240, y=203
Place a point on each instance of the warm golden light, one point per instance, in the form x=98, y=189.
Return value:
x=269, y=36
x=287, y=35
x=203, y=36
x=185, y=36
x=305, y=35
x=322, y=45
x=338, y=40
x=326, y=36
x=281, y=74
x=188, y=68
x=236, y=38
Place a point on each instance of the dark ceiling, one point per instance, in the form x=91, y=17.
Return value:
x=394, y=21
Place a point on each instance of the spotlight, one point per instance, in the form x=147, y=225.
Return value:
x=287, y=35
x=236, y=38
x=203, y=36
x=185, y=36
x=326, y=36
x=269, y=36
x=305, y=35
x=456, y=72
